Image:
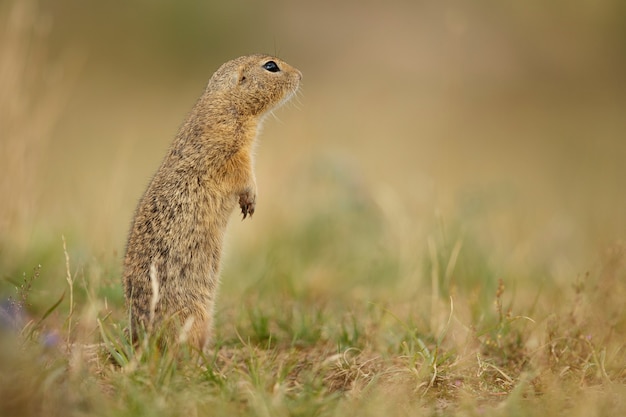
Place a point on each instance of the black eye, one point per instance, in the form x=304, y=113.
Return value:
x=271, y=66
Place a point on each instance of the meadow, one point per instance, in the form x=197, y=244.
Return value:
x=440, y=229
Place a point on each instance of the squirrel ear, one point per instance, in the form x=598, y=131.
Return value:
x=239, y=77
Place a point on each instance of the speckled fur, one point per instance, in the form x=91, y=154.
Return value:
x=181, y=219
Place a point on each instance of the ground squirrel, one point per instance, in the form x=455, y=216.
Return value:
x=179, y=225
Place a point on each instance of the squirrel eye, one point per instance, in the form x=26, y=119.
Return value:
x=271, y=66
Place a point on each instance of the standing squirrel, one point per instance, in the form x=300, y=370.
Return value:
x=172, y=261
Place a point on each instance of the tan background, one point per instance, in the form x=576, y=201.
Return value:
x=506, y=117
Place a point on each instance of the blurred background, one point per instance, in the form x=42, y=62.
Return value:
x=502, y=121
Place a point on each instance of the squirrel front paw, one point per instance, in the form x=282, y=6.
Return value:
x=247, y=202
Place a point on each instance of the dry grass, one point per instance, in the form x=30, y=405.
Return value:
x=330, y=354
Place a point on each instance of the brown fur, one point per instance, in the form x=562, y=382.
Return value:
x=179, y=224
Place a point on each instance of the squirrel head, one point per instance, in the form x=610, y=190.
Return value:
x=252, y=85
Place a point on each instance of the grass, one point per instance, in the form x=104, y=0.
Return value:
x=289, y=342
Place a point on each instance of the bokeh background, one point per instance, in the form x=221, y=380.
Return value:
x=502, y=121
